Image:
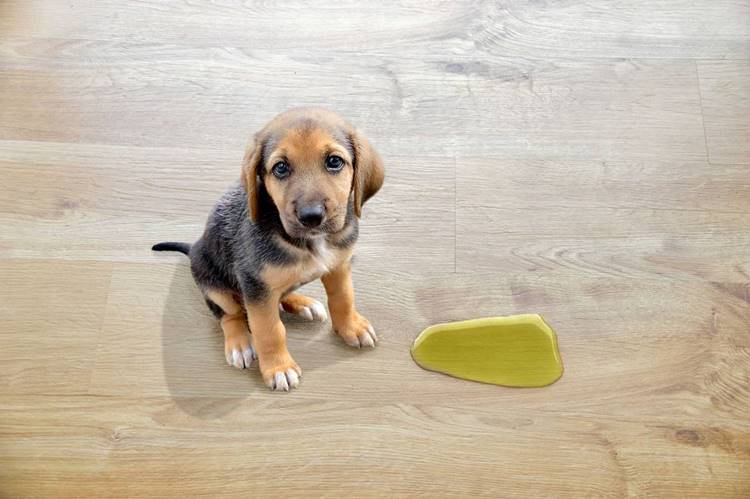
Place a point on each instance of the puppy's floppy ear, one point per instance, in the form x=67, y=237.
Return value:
x=250, y=171
x=368, y=171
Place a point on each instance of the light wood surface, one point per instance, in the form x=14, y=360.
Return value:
x=588, y=161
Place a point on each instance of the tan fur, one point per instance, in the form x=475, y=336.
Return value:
x=304, y=139
x=249, y=177
x=236, y=334
x=225, y=300
x=309, y=268
x=307, y=150
x=269, y=339
x=347, y=322
x=369, y=173
x=269, y=334
x=233, y=323
x=294, y=303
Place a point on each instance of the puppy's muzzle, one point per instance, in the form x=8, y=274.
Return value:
x=312, y=215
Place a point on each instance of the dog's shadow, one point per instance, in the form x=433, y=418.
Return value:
x=197, y=376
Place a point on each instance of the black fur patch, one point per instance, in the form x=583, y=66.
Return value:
x=215, y=309
x=253, y=289
x=209, y=269
x=183, y=248
x=347, y=240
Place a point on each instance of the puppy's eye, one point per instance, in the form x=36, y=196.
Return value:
x=281, y=169
x=334, y=163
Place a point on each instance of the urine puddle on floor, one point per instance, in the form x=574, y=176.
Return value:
x=518, y=350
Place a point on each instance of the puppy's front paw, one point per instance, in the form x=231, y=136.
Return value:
x=238, y=351
x=304, y=306
x=280, y=373
x=356, y=331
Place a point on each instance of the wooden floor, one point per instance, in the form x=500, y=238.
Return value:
x=589, y=161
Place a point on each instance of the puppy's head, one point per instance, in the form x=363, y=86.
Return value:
x=310, y=162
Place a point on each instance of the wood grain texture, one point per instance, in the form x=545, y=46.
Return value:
x=587, y=161
x=48, y=331
x=676, y=219
x=725, y=91
x=567, y=28
x=540, y=108
x=637, y=28
x=75, y=193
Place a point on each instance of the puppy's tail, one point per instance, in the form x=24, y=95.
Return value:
x=181, y=247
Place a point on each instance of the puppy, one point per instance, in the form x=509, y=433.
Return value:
x=292, y=219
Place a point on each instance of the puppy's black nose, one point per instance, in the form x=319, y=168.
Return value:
x=311, y=216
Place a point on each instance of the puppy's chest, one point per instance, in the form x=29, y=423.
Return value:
x=320, y=258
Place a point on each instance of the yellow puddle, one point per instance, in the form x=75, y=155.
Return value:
x=519, y=350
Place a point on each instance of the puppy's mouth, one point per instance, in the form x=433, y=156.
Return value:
x=299, y=232
x=296, y=230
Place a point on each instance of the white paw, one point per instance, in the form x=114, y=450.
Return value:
x=366, y=338
x=315, y=311
x=284, y=381
x=243, y=359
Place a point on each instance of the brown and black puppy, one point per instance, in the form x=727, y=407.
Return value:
x=293, y=218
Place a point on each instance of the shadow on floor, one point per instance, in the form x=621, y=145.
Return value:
x=197, y=376
x=196, y=373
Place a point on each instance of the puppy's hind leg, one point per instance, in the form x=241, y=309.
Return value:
x=238, y=348
x=304, y=306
